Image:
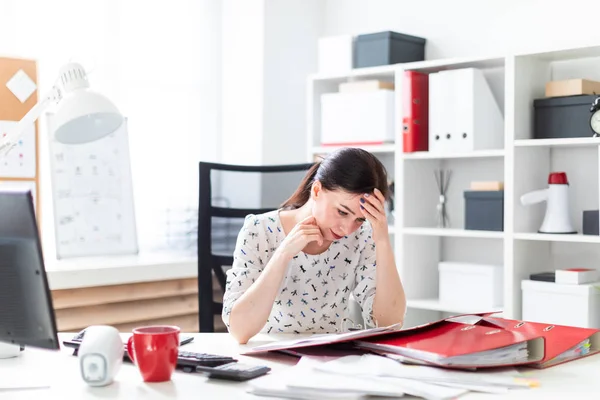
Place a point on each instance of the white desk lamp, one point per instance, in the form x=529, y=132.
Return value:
x=83, y=115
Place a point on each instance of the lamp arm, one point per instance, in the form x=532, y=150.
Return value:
x=10, y=140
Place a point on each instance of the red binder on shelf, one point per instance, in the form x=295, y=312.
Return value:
x=415, y=118
x=465, y=341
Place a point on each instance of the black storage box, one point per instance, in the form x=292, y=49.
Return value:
x=591, y=222
x=484, y=210
x=563, y=117
x=384, y=48
x=544, y=276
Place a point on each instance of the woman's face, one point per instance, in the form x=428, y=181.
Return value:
x=336, y=212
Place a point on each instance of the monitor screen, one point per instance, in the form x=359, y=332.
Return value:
x=26, y=311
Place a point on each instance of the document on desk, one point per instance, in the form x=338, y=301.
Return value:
x=304, y=383
x=317, y=340
x=356, y=376
x=378, y=366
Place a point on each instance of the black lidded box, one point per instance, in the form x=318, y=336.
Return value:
x=563, y=117
x=384, y=48
x=544, y=276
x=484, y=210
x=591, y=222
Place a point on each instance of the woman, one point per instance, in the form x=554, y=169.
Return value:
x=295, y=268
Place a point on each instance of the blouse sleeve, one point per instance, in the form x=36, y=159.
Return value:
x=365, y=274
x=247, y=264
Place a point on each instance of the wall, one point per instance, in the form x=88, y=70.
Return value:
x=470, y=27
x=292, y=28
x=158, y=61
x=268, y=51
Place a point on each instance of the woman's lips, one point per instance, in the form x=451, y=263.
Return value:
x=336, y=236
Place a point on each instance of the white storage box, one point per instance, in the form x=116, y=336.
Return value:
x=553, y=303
x=357, y=118
x=468, y=284
x=335, y=53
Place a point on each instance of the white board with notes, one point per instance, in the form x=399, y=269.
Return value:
x=93, y=196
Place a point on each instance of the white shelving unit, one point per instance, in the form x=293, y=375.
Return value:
x=523, y=165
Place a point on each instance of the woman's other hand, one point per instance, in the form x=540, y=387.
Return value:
x=372, y=205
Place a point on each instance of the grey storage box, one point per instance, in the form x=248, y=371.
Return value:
x=484, y=210
x=591, y=222
x=384, y=48
x=563, y=117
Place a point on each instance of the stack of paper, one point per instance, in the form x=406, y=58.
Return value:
x=356, y=377
x=304, y=382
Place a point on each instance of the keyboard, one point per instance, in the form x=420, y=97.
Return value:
x=79, y=337
x=186, y=360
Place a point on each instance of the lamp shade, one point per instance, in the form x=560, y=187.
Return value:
x=85, y=116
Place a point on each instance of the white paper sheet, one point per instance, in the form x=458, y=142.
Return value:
x=21, y=85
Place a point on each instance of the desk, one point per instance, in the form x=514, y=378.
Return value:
x=577, y=379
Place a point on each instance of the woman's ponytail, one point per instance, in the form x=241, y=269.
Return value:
x=302, y=193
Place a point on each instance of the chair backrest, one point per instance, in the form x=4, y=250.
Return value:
x=254, y=190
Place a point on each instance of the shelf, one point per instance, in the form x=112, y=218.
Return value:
x=378, y=148
x=425, y=155
x=549, y=237
x=553, y=54
x=379, y=71
x=448, y=232
x=435, y=305
x=429, y=66
x=566, y=142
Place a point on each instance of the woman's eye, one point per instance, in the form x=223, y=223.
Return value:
x=342, y=213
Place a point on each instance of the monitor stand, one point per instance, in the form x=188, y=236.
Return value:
x=8, y=350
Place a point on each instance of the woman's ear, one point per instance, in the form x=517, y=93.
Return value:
x=316, y=190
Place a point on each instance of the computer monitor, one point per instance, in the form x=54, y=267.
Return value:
x=26, y=310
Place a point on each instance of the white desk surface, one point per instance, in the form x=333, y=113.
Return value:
x=577, y=379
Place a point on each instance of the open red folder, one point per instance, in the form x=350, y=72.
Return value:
x=465, y=341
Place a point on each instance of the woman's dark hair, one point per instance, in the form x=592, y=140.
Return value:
x=349, y=169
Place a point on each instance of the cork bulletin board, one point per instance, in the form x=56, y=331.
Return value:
x=18, y=94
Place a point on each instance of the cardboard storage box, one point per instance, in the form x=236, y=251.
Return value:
x=365, y=86
x=357, y=118
x=553, y=303
x=465, y=284
x=572, y=87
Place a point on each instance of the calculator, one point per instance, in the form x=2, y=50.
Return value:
x=234, y=371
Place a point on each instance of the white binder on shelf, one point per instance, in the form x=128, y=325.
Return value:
x=463, y=113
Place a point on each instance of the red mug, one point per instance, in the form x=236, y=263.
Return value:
x=154, y=349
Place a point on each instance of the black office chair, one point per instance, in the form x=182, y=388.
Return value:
x=216, y=250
